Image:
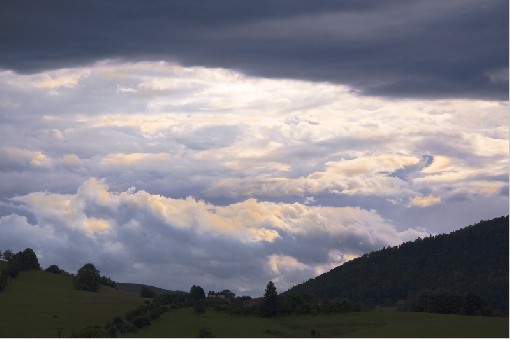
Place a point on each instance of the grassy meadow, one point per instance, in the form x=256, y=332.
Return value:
x=36, y=303
x=184, y=323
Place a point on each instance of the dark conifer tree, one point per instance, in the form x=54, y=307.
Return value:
x=270, y=305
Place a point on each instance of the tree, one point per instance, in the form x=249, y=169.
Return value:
x=196, y=293
x=270, y=304
x=146, y=292
x=8, y=254
x=27, y=260
x=103, y=280
x=87, y=278
x=443, y=301
x=473, y=305
x=23, y=261
x=53, y=269
x=57, y=270
x=228, y=294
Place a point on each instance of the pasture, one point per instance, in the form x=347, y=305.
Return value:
x=184, y=323
x=37, y=303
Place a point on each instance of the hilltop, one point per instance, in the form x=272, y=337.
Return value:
x=472, y=260
x=135, y=289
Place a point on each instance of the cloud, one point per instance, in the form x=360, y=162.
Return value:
x=128, y=232
x=19, y=158
x=71, y=161
x=60, y=78
x=396, y=49
x=199, y=163
x=360, y=176
x=425, y=201
x=133, y=159
x=221, y=135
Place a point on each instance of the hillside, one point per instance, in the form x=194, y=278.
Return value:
x=184, y=323
x=135, y=289
x=36, y=303
x=471, y=260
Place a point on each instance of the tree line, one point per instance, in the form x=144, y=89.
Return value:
x=447, y=302
x=87, y=278
x=17, y=262
x=272, y=304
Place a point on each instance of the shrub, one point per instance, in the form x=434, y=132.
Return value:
x=140, y=322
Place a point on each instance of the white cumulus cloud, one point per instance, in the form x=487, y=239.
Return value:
x=119, y=226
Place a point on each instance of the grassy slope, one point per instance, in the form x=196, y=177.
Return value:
x=37, y=302
x=183, y=323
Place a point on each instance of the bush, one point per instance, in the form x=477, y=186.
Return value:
x=118, y=327
x=141, y=322
x=135, y=319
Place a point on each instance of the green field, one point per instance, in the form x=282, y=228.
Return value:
x=37, y=303
x=184, y=323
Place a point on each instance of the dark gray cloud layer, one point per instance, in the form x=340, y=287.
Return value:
x=427, y=49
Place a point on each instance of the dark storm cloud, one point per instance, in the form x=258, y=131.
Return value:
x=390, y=48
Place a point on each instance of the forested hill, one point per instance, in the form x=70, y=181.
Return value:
x=473, y=259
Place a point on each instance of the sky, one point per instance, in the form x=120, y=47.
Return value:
x=228, y=143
